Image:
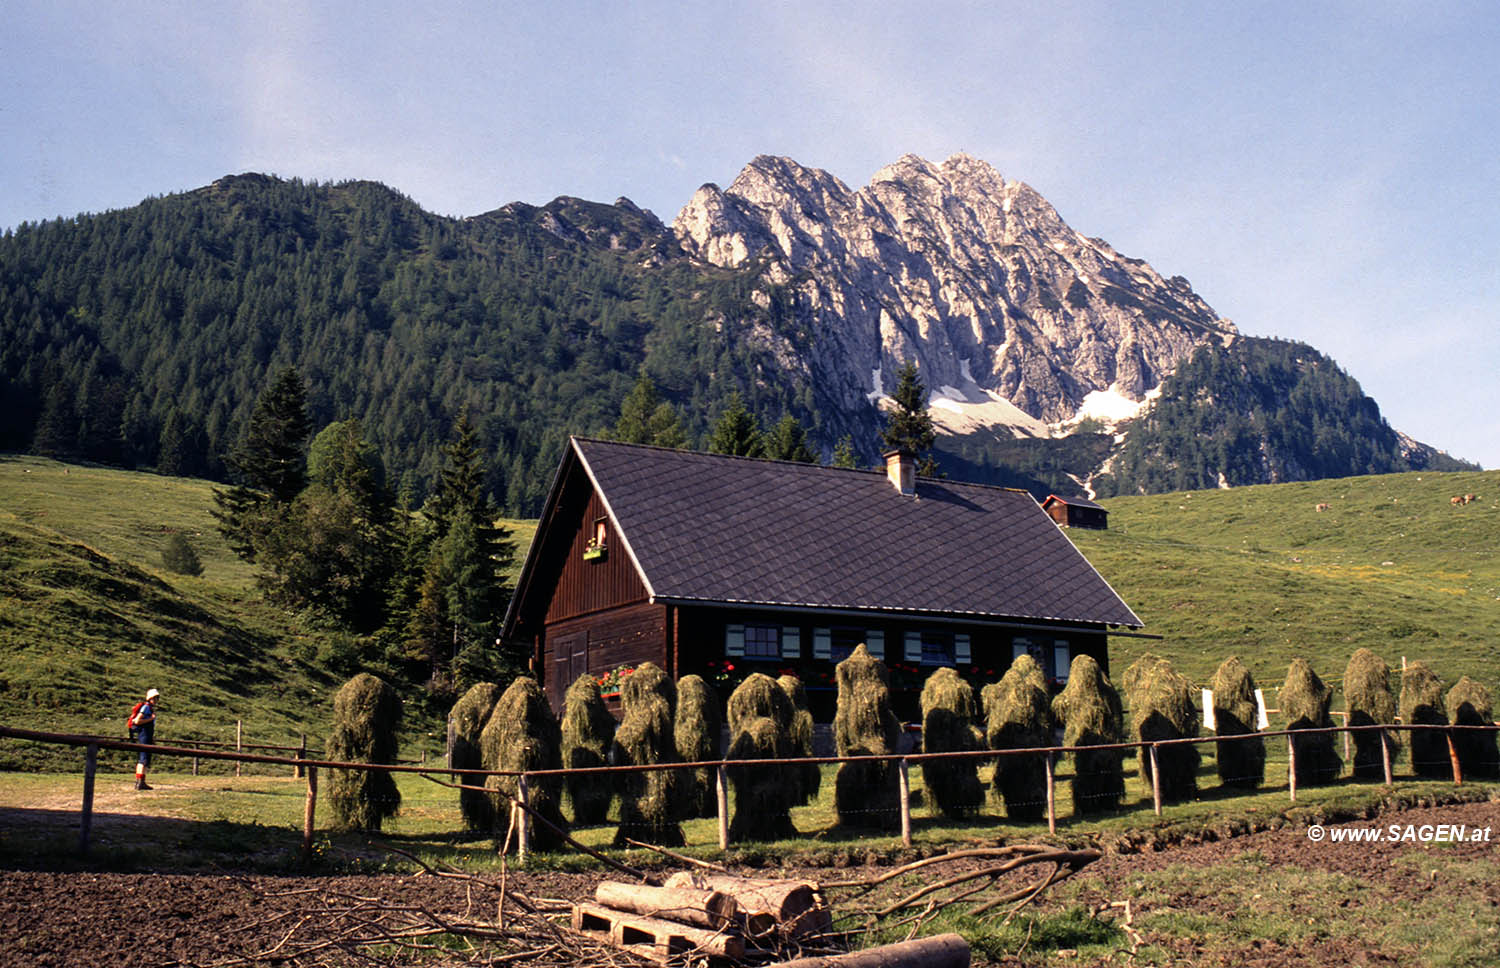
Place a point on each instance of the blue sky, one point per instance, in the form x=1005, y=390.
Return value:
x=1328, y=172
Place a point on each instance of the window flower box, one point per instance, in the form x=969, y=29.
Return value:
x=594, y=551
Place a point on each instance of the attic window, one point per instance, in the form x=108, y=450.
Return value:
x=599, y=542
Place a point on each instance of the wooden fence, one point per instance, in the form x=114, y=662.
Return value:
x=523, y=815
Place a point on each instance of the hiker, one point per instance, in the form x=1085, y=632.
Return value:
x=142, y=724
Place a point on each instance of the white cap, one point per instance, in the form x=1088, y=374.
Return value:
x=152, y=694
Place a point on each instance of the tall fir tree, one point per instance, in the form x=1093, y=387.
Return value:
x=788, y=441
x=844, y=455
x=737, y=433
x=909, y=425
x=270, y=464
x=647, y=419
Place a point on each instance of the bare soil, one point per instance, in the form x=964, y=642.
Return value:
x=94, y=919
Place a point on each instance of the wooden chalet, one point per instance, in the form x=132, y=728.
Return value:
x=1076, y=512
x=722, y=566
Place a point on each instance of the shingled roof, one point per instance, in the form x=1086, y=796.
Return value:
x=705, y=528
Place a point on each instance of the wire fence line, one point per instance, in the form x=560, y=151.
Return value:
x=523, y=816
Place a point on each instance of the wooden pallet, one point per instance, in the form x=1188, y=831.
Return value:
x=653, y=938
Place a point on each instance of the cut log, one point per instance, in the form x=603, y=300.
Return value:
x=685, y=905
x=942, y=951
x=652, y=937
x=792, y=908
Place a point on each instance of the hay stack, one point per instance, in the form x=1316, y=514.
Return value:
x=698, y=735
x=1305, y=702
x=1089, y=710
x=1241, y=762
x=809, y=775
x=1368, y=702
x=649, y=802
x=366, y=717
x=1422, y=705
x=1161, y=706
x=523, y=735
x=760, y=728
x=1469, y=705
x=948, y=727
x=587, y=732
x=866, y=794
x=1018, y=715
x=468, y=717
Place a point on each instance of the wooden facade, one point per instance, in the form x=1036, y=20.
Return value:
x=1076, y=513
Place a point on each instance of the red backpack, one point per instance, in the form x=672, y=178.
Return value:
x=134, y=712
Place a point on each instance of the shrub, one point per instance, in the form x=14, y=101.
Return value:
x=809, y=775
x=1162, y=708
x=178, y=556
x=587, y=731
x=760, y=728
x=1241, y=762
x=866, y=794
x=1018, y=715
x=1368, y=702
x=1469, y=705
x=469, y=716
x=522, y=735
x=947, y=727
x=1305, y=702
x=1422, y=705
x=649, y=802
x=698, y=737
x=366, y=718
x=1089, y=710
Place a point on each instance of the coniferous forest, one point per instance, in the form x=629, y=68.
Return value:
x=143, y=337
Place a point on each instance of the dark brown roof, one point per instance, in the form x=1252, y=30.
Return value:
x=1077, y=502
x=709, y=528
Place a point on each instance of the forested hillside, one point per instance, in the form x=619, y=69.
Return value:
x=1260, y=411
x=143, y=337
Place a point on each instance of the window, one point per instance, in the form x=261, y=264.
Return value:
x=843, y=642
x=762, y=641
x=1054, y=656
x=937, y=648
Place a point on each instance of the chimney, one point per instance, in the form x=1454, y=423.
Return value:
x=901, y=470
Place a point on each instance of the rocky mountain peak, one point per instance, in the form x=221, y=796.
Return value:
x=1013, y=317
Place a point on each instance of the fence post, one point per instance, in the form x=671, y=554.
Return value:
x=523, y=821
x=721, y=792
x=195, y=766
x=1458, y=773
x=86, y=817
x=451, y=735
x=1155, y=782
x=239, y=733
x=309, y=812
x=299, y=769
x=1291, y=767
x=905, y=782
x=1051, y=797
x=1385, y=755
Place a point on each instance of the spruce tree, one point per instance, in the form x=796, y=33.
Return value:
x=909, y=426
x=736, y=432
x=647, y=419
x=270, y=465
x=844, y=455
x=788, y=441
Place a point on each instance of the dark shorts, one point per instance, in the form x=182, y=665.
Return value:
x=144, y=736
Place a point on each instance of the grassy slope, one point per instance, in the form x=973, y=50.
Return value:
x=1258, y=572
x=89, y=618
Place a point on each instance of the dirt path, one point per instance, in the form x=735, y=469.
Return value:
x=1272, y=898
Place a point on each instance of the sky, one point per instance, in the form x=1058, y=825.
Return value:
x=1327, y=172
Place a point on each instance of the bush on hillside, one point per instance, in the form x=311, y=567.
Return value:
x=1162, y=708
x=1422, y=705
x=523, y=735
x=809, y=775
x=649, y=802
x=1018, y=715
x=866, y=794
x=948, y=727
x=1241, y=762
x=1305, y=701
x=760, y=728
x=698, y=734
x=178, y=556
x=366, y=719
x=1089, y=710
x=468, y=718
x=1469, y=705
x=1368, y=701
x=587, y=731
